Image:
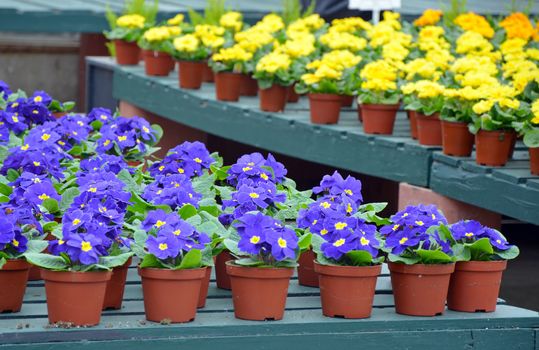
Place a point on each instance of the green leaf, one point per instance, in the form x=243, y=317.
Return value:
x=191, y=260
x=461, y=252
x=304, y=242
x=150, y=261
x=232, y=246
x=359, y=258
x=5, y=189
x=128, y=180
x=68, y=197
x=36, y=246
x=376, y=207
x=187, y=211
x=3, y=261
x=248, y=262
x=51, y=205
x=408, y=260
x=12, y=175
x=47, y=261
x=531, y=138
x=433, y=256
x=509, y=254
x=114, y=260
x=316, y=243
x=480, y=249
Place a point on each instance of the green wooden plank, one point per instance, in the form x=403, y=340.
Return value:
x=291, y=133
x=486, y=339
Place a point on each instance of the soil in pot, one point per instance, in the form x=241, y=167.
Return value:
x=493, y=147
x=475, y=286
x=75, y=298
x=259, y=293
x=249, y=86
x=347, y=100
x=190, y=74
x=306, y=274
x=13, y=278
x=171, y=295
x=127, y=53
x=293, y=96
x=274, y=98
x=429, y=129
x=157, y=63
x=379, y=119
x=227, y=86
x=221, y=276
x=114, y=294
x=420, y=290
x=347, y=291
x=412, y=118
x=534, y=160
x=204, y=286
x=325, y=108
x=207, y=73
x=457, y=140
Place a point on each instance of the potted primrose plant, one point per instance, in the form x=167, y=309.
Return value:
x=482, y=258
x=229, y=64
x=378, y=97
x=173, y=267
x=531, y=137
x=420, y=260
x=157, y=45
x=266, y=253
x=274, y=77
x=125, y=32
x=191, y=55
x=426, y=99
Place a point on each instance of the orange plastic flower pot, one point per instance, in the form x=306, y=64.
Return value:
x=274, y=98
x=457, y=140
x=347, y=100
x=249, y=86
x=207, y=73
x=204, y=287
x=325, y=108
x=306, y=274
x=493, y=147
x=190, y=74
x=127, y=53
x=227, y=86
x=429, y=129
x=379, y=119
x=534, y=160
x=412, y=118
x=13, y=278
x=293, y=96
x=157, y=63
x=221, y=276
x=114, y=294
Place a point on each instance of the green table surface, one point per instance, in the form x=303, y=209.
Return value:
x=303, y=326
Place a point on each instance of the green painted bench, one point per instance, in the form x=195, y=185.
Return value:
x=303, y=326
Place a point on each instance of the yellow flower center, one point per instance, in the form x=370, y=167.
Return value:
x=253, y=195
x=349, y=208
x=396, y=227
x=247, y=168
x=106, y=143
x=145, y=129
x=103, y=117
x=15, y=119
x=38, y=99
x=498, y=241
x=75, y=222
x=159, y=223
x=181, y=171
x=161, y=168
x=198, y=160
x=92, y=189
x=339, y=242
x=469, y=234
x=43, y=196
x=323, y=232
x=255, y=239
x=325, y=205
x=122, y=138
x=419, y=223
x=281, y=242
x=45, y=137
x=314, y=222
x=340, y=225
x=177, y=232
x=15, y=243
x=403, y=240
x=86, y=246
x=264, y=176
x=348, y=192
x=25, y=147
x=61, y=241
x=364, y=241
x=163, y=246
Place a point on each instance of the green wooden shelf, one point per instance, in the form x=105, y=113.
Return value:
x=509, y=190
x=303, y=326
x=344, y=145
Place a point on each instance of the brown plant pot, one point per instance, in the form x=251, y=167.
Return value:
x=114, y=294
x=293, y=96
x=207, y=73
x=13, y=278
x=190, y=74
x=127, y=53
x=34, y=274
x=412, y=118
x=171, y=295
x=274, y=98
x=204, y=286
x=359, y=114
x=306, y=274
x=534, y=160
x=157, y=63
x=492, y=148
x=347, y=291
x=249, y=86
x=325, y=108
x=475, y=286
x=420, y=290
x=457, y=140
x=75, y=298
x=222, y=279
x=58, y=115
x=379, y=119
x=227, y=86
x=347, y=100
x=429, y=129
x=259, y=293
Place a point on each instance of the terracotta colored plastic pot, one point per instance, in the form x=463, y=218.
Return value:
x=58, y=115
x=412, y=118
x=293, y=96
x=379, y=119
x=475, y=286
x=274, y=98
x=492, y=148
x=34, y=274
x=114, y=294
x=359, y=115
x=171, y=295
x=306, y=274
x=259, y=293
x=157, y=63
x=534, y=160
x=221, y=277
x=429, y=129
x=347, y=291
x=325, y=108
x=75, y=298
x=420, y=290
x=227, y=86
x=207, y=73
x=127, y=53
x=190, y=74
x=249, y=86
x=347, y=100
x=13, y=278
x=457, y=140
x=204, y=286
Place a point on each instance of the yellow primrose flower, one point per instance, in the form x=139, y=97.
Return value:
x=518, y=25
x=428, y=89
x=297, y=48
x=186, y=43
x=310, y=78
x=157, y=34
x=131, y=21
x=471, y=42
x=174, y=31
x=476, y=23
x=483, y=107
x=343, y=41
x=429, y=17
x=273, y=62
x=176, y=20
x=232, y=20
x=509, y=103
x=535, y=112
x=232, y=54
x=533, y=54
